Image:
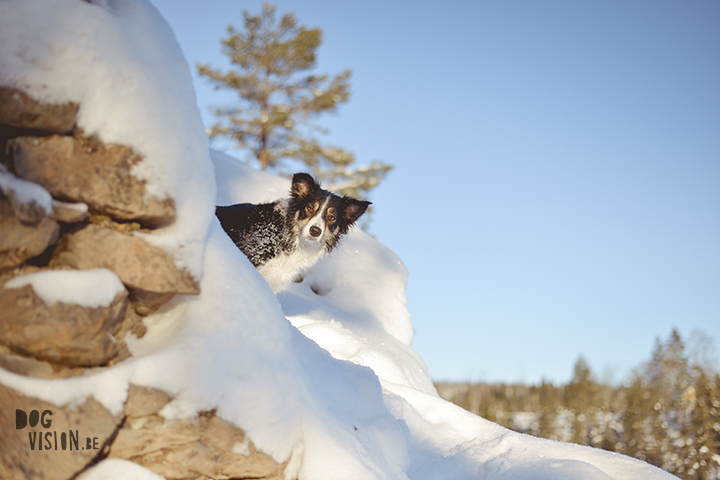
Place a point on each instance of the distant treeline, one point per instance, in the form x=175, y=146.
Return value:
x=667, y=413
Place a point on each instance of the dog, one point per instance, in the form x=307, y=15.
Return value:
x=286, y=237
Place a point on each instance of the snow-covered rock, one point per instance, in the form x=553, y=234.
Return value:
x=120, y=63
x=88, y=288
x=20, y=110
x=85, y=170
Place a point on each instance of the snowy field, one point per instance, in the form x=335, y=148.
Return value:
x=322, y=374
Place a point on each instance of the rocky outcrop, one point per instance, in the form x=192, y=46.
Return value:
x=41, y=441
x=58, y=442
x=87, y=210
x=139, y=265
x=83, y=169
x=60, y=333
x=19, y=110
x=22, y=236
x=70, y=201
x=205, y=447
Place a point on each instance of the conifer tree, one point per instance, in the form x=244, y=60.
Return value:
x=580, y=396
x=637, y=418
x=279, y=100
x=549, y=403
x=704, y=427
x=667, y=413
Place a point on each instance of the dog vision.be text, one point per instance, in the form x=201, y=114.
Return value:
x=43, y=439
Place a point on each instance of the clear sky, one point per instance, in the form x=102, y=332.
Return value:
x=556, y=189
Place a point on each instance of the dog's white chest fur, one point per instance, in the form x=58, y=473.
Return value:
x=281, y=270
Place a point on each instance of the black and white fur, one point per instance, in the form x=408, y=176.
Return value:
x=286, y=237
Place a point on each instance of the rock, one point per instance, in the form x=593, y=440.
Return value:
x=82, y=169
x=86, y=430
x=20, y=242
x=32, y=367
x=149, y=434
x=69, y=212
x=28, y=213
x=139, y=265
x=30, y=201
x=146, y=303
x=132, y=324
x=230, y=454
x=62, y=333
x=144, y=401
x=18, y=109
x=26, y=366
x=206, y=447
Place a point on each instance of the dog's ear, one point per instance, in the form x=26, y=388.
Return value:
x=302, y=184
x=353, y=208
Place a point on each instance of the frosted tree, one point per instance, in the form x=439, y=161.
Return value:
x=279, y=101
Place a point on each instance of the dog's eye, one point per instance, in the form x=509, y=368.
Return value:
x=331, y=218
x=310, y=208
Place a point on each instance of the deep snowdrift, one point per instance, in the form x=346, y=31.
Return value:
x=322, y=374
x=359, y=315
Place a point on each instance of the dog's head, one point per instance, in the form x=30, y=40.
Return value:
x=322, y=217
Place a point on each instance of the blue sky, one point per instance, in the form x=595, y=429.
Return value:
x=556, y=189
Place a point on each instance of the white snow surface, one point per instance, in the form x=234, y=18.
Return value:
x=120, y=61
x=92, y=288
x=323, y=374
x=77, y=206
x=24, y=192
x=117, y=469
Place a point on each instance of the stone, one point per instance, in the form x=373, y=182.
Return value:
x=144, y=401
x=205, y=447
x=139, y=265
x=32, y=367
x=131, y=324
x=146, y=303
x=18, y=109
x=28, y=213
x=61, y=333
x=230, y=454
x=82, y=169
x=145, y=435
x=29, y=200
x=69, y=212
x=21, y=457
x=20, y=242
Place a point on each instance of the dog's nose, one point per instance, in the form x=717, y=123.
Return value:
x=315, y=231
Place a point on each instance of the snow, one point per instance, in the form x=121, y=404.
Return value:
x=77, y=206
x=322, y=375
x=24, y=192
x=117, y=469
x=120, y=61
x=93, y=288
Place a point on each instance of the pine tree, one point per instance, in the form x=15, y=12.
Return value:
x=667, y=413
x=280, y=100
x=637, y=419
x=580, y=396
x=670, y=382
x=549, y=403
x=702, y=400
x=704, y=427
